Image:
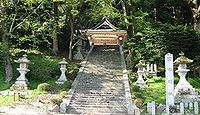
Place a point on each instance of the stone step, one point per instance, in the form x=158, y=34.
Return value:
x=97, y=101
x=98, y=105
x=98, y=97
x=100, y=88
x=101, y=95
x=95, y=110
x=98, y=92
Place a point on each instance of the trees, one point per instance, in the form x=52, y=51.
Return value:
x=5, y=41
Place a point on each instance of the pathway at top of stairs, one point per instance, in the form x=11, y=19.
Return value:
x=100, y=89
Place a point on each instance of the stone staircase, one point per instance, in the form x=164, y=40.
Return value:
x=100, y=88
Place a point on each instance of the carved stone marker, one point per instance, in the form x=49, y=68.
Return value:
x=169, y=82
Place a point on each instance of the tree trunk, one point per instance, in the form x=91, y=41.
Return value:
x=133, y=15
x=196, y=14
x=55, y=35
x=129, y=10
x=124, y=11
x=5, y=42
x=71, y=25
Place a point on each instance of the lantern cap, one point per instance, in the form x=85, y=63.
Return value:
x=182, y=59
x=141, y=64
x=63, y=62
x=23, y=59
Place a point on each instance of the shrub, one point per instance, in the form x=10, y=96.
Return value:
x=57, y=101
x=158, y=79
x=139, y=102
x=67, y=85
x=132, y=77
x=44, y=87
x=135, y=88
x=44, y=67
x=63, y=94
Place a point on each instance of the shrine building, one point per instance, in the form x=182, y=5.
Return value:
x=105, y=33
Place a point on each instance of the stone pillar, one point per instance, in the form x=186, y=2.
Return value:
x=196, y=108
x=182, y=108
x=63, y=69
x=155, y=68
x=153, y=108
x=169, y=82
x=22, y=81
x=151, y=69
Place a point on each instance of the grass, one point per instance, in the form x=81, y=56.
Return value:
x=154, y=92
x=6, y=100
x=156, y=88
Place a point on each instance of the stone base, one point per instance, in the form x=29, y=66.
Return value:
x=152, y=73
x=184, y=89
x=19, y=86
x=60, y=82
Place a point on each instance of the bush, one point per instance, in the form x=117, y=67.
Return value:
x=157, y=79
x=135, y=88
x=44, y=67
x=132, y=77
x=56, y=101
x=44, y=87
x=63, y=94
x=67, y=85
x=139, y=102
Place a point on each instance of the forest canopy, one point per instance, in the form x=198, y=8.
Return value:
x=154, y=27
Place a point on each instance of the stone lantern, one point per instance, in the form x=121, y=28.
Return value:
x=183, y=87
x=141, y=72
x=21, y=82
x=79, y=55
x=63, y=65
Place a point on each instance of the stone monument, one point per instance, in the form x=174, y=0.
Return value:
x=141, y=72
x=183, y=87
x=169, y=82
x=63, y=69
x=21, y=82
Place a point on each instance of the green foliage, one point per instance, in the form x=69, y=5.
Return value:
x=2, y=72
x=6, y=100
x=56, y=101
x=135, y=88
x=43, y=67
x=155, y=90
x=4, y=85
x=63, y=94
x=151, y=45
x=132, y=77
x=67, y=84
x=44, y=87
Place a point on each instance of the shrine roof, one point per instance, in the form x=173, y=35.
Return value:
x=104, y=24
